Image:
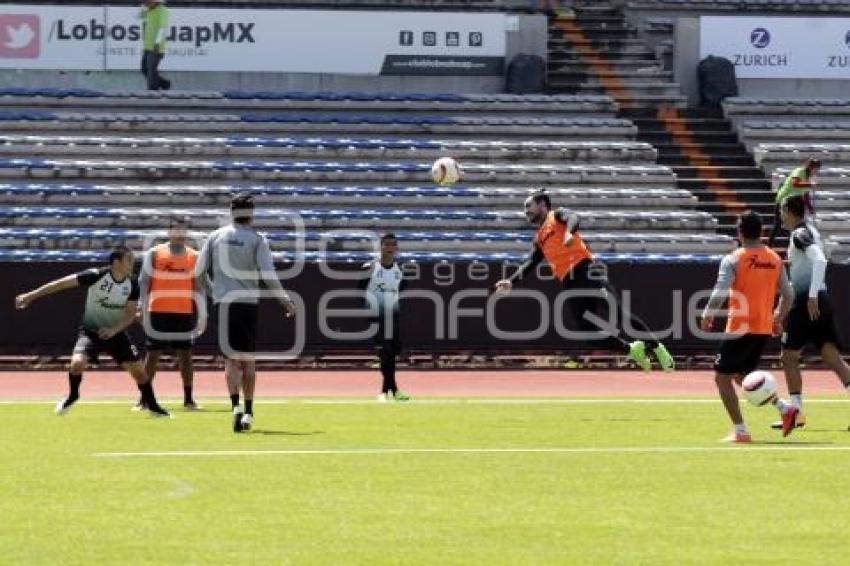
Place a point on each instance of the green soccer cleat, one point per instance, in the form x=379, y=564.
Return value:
x=637, y=353
x=401, y=396
x=665, y=360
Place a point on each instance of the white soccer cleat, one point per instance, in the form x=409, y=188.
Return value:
x=64, y=406
x=382, y=398
x=247, y=422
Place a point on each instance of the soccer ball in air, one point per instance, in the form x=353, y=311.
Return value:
x=445, y=171
x=759, y=388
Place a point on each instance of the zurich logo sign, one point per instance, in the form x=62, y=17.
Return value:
x=760, y=38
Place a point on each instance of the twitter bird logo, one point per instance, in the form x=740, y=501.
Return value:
x=19, y=36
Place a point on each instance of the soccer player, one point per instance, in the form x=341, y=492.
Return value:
x=559, y=242
x=800, y=182
x=811, y=319
x=750, y=278
x=111, y=298
x=167, y=284
x=240, y=259
x=382, y=284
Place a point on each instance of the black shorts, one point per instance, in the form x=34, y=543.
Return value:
x=587, y=280
x=800, y=330
x=120, y=347
x=170, y=323
x=388, y=336
x=740, y=355
x=240, y=329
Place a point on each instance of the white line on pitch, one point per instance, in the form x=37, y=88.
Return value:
x=431, y=401
x=398, y=451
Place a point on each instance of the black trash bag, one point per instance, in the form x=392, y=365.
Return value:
x=526, y=75
x=716, y=76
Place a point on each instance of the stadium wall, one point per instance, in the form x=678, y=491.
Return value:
x=48, y=326
x=528, y=36
x=686, y=56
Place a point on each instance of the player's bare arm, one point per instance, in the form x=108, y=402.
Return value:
x=505, y=286
x=24, y=300
x=786, y=301
x=130, y=312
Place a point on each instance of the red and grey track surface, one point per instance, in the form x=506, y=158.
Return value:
x=50, y=385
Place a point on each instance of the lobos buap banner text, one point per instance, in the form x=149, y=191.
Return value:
x=779, y=48
x=291, y=41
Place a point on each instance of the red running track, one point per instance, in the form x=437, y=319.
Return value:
x=522, y=383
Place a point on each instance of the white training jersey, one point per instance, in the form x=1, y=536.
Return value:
x=106, y=298
x=383, y=286
x=808, y=261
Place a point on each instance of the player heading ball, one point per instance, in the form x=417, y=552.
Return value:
x=559, y=242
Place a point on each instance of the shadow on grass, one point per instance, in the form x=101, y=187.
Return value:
x=789, y=443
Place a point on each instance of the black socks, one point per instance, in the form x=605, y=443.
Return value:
x=148, y=397
x=388, y=372
x=74, y=381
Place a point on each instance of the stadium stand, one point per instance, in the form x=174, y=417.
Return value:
x=760, y=6
x=340, y=148
x=786, y=107
x=709, y=150
x=597, y=48
x=774, y=156
x=82, y=169
x=809, y=124
x=430, y=5
x=329, y=102
x=655, y=181
x=593, y=49
x=783, y=133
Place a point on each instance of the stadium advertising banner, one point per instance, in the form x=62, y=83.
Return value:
x=292, y=41
x=779, y=48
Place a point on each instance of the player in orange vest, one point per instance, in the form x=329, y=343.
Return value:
x=560, y=244
x=754, y=274
x=168, y=296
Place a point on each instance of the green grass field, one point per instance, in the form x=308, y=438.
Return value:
x=498, y=483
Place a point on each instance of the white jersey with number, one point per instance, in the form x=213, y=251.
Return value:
x=106, y=298
x=383, y=287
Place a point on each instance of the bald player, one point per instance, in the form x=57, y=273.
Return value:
x=749, y=278
x=559, y=242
